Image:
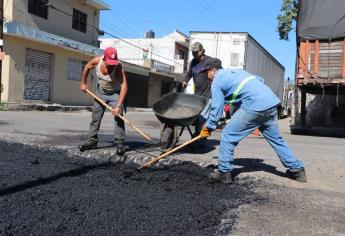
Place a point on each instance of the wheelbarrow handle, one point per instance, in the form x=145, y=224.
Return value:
x=148, y=164
x=121, y=117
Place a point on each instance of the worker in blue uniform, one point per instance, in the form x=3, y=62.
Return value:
x=257, y=108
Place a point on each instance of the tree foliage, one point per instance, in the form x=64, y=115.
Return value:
x=287, y=18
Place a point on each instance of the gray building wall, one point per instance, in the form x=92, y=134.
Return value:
x=155, y=87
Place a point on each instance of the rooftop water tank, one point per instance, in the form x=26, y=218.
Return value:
x=150, y=34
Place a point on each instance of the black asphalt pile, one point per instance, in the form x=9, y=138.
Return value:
x=50, y=193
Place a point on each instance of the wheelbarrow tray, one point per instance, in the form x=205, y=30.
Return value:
x=179, y=109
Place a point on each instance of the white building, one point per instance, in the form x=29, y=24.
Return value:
x=165, y=54
x=241, y=50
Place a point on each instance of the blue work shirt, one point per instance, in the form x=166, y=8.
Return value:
x=254, y=95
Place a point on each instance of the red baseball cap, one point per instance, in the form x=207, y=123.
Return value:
x=110, y=56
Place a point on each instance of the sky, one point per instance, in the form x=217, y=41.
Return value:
x=132, y=18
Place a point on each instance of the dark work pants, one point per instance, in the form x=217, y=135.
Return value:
x=97, y=115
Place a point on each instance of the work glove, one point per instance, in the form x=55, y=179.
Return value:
x=205, y=132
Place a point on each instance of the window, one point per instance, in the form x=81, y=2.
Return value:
x=79, y=21
x=181, y=54
x=75, y=69
x=235, y=59
x=38, y=8
x=236, y=41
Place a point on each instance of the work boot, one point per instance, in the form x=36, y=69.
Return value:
x=88, y=145
x=297, y=174
x=120, y=150
x=219, y=176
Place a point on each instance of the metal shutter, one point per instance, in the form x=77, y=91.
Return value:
x=38, y=73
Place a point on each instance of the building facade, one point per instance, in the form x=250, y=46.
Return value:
x=167, y=54
x=47, y=43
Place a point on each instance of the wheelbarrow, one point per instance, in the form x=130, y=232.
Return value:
x=177, y=111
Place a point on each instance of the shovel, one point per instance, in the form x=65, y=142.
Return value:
x=148, y=164
x=121, y=117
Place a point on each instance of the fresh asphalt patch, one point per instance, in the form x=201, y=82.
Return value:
x=46, y=192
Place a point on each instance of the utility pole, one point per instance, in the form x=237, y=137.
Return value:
x=1, y=40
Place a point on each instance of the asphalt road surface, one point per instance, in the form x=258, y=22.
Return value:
x=48, y=187
x=44, y=193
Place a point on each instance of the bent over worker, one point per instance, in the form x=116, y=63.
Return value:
x=112, y=89
x=257, y=109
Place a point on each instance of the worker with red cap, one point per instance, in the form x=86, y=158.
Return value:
x=112, y=89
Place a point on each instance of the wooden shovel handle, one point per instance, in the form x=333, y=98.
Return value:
x=121, y=117
x=147, y=164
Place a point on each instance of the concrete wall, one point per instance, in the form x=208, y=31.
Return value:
x=155, y=85
x=321, y=110
x=63, y=91
x=57, y=22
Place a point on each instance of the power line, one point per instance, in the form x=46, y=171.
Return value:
x=217, y=14
x=123, y=22
x=202, y=11
x=111, y=26
x=112, y=35
x=98, y=21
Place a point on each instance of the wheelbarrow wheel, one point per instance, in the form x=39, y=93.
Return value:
x=168, y=136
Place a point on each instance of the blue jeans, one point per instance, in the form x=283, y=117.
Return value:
x=241, y=124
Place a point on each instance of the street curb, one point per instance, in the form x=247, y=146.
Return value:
x=57, y=107
x=44, y=107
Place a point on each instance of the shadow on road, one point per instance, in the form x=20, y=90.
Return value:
x=254, y=164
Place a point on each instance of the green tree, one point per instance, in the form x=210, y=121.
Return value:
x=287, y=18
